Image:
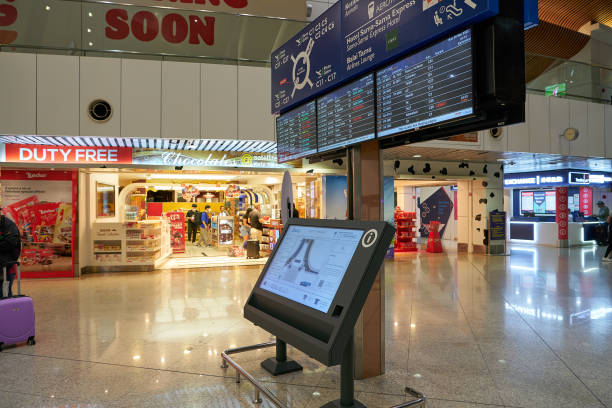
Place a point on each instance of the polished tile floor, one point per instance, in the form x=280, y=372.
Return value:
x=532, y=329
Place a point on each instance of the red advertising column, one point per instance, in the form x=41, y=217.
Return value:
x=586, y=201
x=177, y=231
x=562, y=215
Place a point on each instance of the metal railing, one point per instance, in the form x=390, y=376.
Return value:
x=259, y=388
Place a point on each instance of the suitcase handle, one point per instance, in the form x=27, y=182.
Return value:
x=5, y=282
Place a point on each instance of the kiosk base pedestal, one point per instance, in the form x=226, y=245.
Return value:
x=347, y=382
x=338, y=404
x=280, y=365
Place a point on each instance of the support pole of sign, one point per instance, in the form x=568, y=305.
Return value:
x=279, y=364
x=365, y=202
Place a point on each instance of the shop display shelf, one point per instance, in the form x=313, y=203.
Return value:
x=142, y=249
x=107, y=252
x=405, y=234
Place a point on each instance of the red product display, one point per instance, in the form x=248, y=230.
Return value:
x=405, y=234
x=434, y=244
x=43, y=220
x=562, y=212
x=177, y=231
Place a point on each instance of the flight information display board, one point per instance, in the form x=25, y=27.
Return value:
x=427, y=88
x=346, y=116
x=310, y=264
x=296, y=133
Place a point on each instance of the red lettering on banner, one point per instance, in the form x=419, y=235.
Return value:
x=231, y=3
x=118, y=27
x=199, y=30
x=67, y=154
x=174, y=28
x=8, y=16
x=145, y=26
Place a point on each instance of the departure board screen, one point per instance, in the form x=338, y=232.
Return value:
x=296, y=133
x=346, y=116
x=427, y=88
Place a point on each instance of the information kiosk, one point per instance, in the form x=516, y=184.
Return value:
x=312, y=290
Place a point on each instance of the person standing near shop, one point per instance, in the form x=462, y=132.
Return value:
x=245, y=227
x=255, y=221
x=193, y=216
x=10, y=250
x=606, y=257
x=602, y=216
x=205, y=226
x=222, y=212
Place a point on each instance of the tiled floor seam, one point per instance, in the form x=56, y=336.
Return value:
x=478, y=344
x=544, y=341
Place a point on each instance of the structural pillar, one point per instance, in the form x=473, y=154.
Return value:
x=365, y=202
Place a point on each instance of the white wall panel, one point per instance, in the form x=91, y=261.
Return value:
x=181, y=100
x=219, y=101
x=495, y=145
x=608, y=129
x=100, y=79
x=18, y=93
x=140, y=98
x=596, y=143
x=579, y=120
x=539, y=131
x=518, y=137
x=255, y=122
x=559, y=120
x=57, y=96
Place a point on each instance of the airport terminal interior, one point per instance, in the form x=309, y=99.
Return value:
x=305, y=204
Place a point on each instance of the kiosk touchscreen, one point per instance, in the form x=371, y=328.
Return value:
x=312, y=290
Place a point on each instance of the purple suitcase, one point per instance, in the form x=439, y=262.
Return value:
x=16, y=315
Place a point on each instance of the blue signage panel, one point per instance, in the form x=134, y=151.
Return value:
x=308, y=63
x=375, y=31
x=497, y=226
x=531, y=14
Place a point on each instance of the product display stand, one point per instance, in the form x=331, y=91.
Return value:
x=280, y=365
x=405, y=234
x=347, y=383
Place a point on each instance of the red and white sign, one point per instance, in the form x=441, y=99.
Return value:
x=586, y=201
x=18, y=153
x=562, y=212
x=177, y=231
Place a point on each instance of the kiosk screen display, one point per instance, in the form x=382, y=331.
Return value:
x=310, y=263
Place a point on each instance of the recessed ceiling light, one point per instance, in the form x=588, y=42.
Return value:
x=416, y=156
x=90, y=14
x=47, y=8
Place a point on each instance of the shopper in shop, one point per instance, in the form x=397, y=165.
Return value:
x=245, y=227
x=606, y=257
x=10, y=250
x=192, y=224
x=205, y=227
x=255, y=221
x=222, y=212
x=602, y=216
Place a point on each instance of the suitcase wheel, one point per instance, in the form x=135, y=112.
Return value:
x=31, y=341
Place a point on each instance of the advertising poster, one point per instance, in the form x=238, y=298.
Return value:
x=177, y=231
x=586, y=201
x=41, y=204
x=562, y=212
x=435, y=204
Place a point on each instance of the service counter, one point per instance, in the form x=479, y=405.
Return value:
x=546, y=232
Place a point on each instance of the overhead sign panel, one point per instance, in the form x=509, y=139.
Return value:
x=308, y=63
x=374, y=31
